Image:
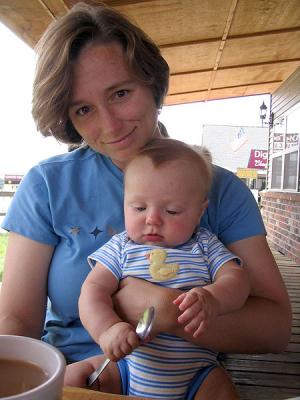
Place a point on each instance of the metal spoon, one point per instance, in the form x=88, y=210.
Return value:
x=143, y=330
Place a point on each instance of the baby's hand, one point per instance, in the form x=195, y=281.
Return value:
x=198, y=307
x=118, y=341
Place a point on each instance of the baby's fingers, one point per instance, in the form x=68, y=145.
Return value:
x=125, y=347
x=179, y=299
x=189, y=314
x=133, y=340
x=202, y=327
x=189, y=299
x=196, y=326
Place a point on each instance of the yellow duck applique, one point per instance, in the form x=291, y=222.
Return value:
x=158, y=269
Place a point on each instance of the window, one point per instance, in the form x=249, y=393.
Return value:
x=276, y=173
x=284, y=151
x=290, y=171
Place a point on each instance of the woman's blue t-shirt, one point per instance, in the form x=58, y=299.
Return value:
x=74, y=202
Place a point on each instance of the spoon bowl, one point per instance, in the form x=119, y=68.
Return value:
x=143, y=330
x=145, y=324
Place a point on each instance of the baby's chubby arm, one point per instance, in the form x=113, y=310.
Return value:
x=115, y=337
x=200, y=305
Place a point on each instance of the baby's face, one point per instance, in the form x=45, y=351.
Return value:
x=162, y=205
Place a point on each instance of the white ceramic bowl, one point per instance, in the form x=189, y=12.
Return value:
x=42, y=354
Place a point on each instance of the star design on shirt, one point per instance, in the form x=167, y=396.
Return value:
x=96, y=232
x=74, y=230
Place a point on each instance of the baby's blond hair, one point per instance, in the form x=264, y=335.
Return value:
x=165, y=150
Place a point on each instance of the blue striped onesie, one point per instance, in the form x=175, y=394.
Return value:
x=165, y=367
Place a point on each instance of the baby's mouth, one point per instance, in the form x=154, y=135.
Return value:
x=153, y=237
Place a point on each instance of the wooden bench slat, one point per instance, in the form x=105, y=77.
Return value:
x=266, y=379
x=265, y=393
x=285, y=357
x=290, y=368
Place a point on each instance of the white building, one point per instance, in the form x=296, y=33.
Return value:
x=241, y=149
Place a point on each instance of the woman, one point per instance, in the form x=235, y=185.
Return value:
x=100, y=81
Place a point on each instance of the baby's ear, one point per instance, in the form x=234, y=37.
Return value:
x=148, y=256
x=203, y=207
x=205, y=204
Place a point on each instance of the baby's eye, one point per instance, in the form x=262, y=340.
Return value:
x=82, y=111
x=140, y=209
x=172, y=212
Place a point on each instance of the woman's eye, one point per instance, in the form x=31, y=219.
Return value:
x=121, y=93
x=82, y=111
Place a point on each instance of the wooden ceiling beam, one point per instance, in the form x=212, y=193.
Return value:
x=229, y=38
x=54, y=9
x=264, y=33
x=47, y=9
x=249, y=84
x=222, y=44
x=237, y=66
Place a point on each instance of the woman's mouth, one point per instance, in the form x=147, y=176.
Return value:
x=121, y=140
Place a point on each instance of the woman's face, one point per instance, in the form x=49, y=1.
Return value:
x=114, y=113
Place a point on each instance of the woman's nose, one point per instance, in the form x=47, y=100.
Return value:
x=153, y=218
x=109, y=120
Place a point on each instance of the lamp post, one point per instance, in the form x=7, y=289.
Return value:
x=263, y=113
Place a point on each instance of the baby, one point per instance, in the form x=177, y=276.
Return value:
x=166, y=193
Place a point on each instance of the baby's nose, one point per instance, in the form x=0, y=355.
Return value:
x=153, y=218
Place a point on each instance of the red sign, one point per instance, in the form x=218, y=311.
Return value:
x=258, y=159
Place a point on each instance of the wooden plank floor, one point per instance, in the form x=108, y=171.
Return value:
x=272, y=376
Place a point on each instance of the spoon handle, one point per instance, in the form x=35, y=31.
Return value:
x=91, y=379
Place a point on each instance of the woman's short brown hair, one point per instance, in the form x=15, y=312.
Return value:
x=59, y=48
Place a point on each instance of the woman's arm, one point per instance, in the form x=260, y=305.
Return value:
x=23, y=295
x=262, y=325
x=266, y=319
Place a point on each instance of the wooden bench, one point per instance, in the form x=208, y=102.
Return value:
x=272, y=376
